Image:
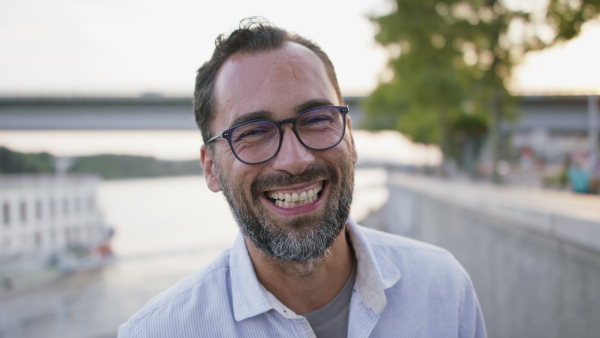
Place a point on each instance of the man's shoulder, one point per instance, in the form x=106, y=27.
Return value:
x=188, y=297
x=382, y=239
x=409, y=253
x=423, y=284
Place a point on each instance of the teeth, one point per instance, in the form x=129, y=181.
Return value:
x=295, y=199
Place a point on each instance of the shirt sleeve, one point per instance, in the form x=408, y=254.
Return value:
x=471, y=323
x=125, y=331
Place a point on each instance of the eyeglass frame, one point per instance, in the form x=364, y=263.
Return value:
x=227, y=133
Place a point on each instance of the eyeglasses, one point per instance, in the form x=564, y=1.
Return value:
x=258, y=141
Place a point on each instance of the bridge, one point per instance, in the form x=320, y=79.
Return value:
x=108, y=113
x=554, y=114
x=97, y=113
x=558, y=121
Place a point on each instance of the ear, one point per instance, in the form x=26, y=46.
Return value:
x=349, y=125
x=209, y=168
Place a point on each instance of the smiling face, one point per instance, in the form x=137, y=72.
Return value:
x=295, y=205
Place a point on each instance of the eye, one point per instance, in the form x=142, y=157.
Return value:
x=250, y=133
x=315, y=119
x=319, y=118
x=254, y=132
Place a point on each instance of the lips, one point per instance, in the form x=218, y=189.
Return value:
x=296, y=198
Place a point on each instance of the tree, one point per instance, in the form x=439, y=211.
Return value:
x=12, y=162
x=450, y=62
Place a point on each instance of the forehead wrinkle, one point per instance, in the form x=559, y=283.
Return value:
x=287, y=71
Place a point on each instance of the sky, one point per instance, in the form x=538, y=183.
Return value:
x=568, y=68
x=130, y=47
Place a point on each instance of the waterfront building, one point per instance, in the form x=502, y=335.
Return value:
x=49, y=221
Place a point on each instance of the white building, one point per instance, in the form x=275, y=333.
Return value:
x=44, y=216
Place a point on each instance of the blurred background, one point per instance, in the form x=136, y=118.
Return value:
x=477, y=126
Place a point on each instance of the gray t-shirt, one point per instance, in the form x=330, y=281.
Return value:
x=332, y=319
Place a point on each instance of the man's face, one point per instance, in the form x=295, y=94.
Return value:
x=277, y=85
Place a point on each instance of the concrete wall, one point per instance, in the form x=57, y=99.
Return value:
x=533, y=255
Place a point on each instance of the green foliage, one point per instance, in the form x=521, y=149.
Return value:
x=450, y=61
x=12, y=162
x=124, y=166
x=108, y=166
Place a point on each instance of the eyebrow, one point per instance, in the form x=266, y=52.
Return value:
x=267, y=115
x=312, y=104
x=255, y=115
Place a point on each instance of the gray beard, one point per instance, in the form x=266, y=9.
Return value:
x=305, y=238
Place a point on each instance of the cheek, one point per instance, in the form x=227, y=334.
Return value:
x=349, y=151
x=225, y=157
x=239, y=175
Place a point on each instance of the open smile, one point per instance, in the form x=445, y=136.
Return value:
x=293, y=198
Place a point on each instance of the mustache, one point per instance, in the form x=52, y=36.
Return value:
x=311, y=173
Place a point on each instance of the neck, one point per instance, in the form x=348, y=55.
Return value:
x=295, y=283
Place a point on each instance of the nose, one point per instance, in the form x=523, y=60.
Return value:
x=293, y=157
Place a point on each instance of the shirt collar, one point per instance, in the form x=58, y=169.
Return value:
x=375, y=273
x=246, y=294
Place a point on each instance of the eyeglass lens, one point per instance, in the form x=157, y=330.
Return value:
x=317, y=129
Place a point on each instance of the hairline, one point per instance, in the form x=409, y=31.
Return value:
x=204, y=98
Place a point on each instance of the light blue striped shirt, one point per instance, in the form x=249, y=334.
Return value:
x=403, y=288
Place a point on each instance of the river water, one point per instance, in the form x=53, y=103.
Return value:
x=165, y=228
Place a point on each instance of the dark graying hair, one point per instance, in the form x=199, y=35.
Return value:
x=253, y=35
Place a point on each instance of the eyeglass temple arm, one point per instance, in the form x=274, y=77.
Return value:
x=214, y=138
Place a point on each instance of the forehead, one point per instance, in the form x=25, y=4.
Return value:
x=272, y=81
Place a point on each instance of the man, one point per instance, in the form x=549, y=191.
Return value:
x=278, y=144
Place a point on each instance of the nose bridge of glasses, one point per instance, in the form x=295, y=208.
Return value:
x=293, y=155
x=286, y=121
x=291, y=121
